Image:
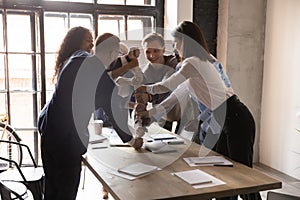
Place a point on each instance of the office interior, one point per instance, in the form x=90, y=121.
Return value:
x=258, y=44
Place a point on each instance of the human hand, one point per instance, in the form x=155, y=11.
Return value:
x=132, y=64
x=141, y=89
x=136, y=80
x=134, y=52
x=138, y=143
x=146, y=121
x=142, y=114
x=139, y=107
x=142, y=97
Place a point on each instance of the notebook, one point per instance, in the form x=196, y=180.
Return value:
x=159, y=147
x=208, y=161
x=138, y=169
x=194, y=177
x=163, y=136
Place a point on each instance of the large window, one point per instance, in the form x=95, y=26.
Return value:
x=31, y=32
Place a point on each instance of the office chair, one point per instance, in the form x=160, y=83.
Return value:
x=31, y=176
x=281, y=196
x=10, y=190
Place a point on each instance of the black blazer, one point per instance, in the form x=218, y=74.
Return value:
x=83, y=86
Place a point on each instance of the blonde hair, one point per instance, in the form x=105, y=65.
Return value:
x=153, y=37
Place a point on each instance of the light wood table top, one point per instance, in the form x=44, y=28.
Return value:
x=239, y=179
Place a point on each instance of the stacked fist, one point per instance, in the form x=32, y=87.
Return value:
x=141, y=118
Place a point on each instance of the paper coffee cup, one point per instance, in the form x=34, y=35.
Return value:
x=96, y=126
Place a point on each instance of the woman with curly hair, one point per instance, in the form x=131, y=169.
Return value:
x=61, y=148
x=77, y=38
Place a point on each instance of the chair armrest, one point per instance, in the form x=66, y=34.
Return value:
x=17, y=166
x=2, y=185
x=22, y=145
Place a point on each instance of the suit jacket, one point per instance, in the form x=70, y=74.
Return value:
x=83, y=86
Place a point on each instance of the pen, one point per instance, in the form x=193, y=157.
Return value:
x=209, y=163
x=176, y=142
x=99, y=147
x=204, y=182
x=218, y=165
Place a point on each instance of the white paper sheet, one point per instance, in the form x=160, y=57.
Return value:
x=194, y=176
x=208, y=161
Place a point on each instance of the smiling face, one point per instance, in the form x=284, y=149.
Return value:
x=154, y=52
x=178, y=46
x=87, y=43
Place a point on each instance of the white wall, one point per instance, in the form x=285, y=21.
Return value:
x=279, y=141
x=241, y=50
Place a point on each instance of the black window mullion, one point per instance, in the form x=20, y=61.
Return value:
x=95, y=22
x=43, y=59
x=43, y=62
x=34, y=81
x=6, y=75
x=37, y=9
x=126, y=27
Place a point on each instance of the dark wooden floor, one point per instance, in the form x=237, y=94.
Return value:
x=290, y=185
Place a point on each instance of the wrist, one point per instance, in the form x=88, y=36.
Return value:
x=131, y=142
x=127, y=58
x=150, y=97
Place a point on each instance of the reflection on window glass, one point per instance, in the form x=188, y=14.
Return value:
x=84, y=20
x=2, y=103
x=139, y=26
x=141, y=2
x=20, y=71
x=112, y=24
x=2, y=73
x=80, y=1
x=15, y=25
x=128, y=2
x=56, y=26
x=50, y=62
x=23, y=111
x=1, y=34
x=115, y=2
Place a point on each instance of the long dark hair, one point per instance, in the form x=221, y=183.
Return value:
x=70, y=44
x=193, y=39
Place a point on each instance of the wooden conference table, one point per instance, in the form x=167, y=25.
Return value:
x=161, y=184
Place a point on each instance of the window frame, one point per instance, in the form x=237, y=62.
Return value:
x=37, y=8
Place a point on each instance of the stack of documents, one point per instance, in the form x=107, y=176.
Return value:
x=167, y=138
x=159, y=147
x=98, y=142
x=115, y=141
x=208, y=161
x=163, y=136
x=137, y=170
x=198, y=179
x=97, y=139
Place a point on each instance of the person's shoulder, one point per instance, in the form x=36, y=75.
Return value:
x=80, y=54
x=147, y=68
x=193, y=61
x=190, y=60
x=171, y=60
